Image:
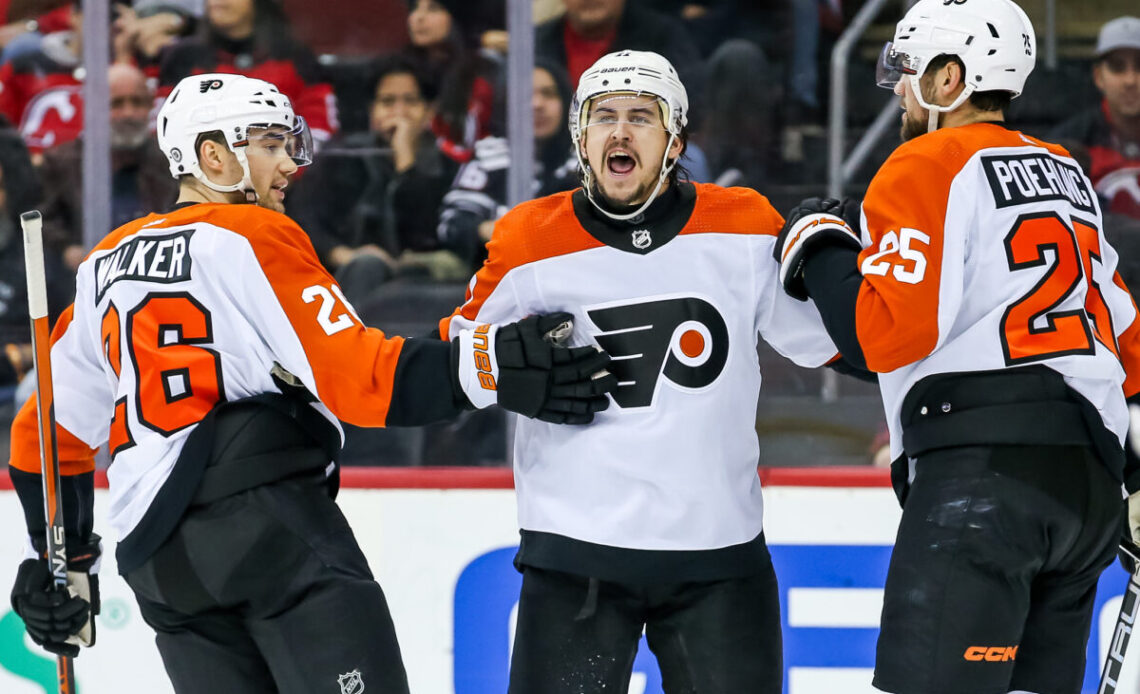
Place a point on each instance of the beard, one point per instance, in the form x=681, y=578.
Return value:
x=129, y=135
x=270, y=204
x=912, y=128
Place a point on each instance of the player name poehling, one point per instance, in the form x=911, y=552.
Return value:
x=161, y=259
x=1026, y=178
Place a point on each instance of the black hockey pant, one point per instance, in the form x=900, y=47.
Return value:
x=267, y=591
x=579, y=636
x=993, y=577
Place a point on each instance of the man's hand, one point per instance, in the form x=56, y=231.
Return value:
x=811, y=225
x=523, y=370
x=57, y=620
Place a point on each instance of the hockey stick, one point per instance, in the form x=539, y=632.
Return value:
x=32, y=224
x=1129, y=610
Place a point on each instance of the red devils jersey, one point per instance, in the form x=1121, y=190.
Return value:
x=43, y=99
x=985, y=251
x=671, y=465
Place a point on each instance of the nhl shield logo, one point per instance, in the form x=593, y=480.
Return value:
x=351, y=683
x=642, y=239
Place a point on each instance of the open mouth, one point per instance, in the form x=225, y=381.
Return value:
x=620, y=163
x=279, y=191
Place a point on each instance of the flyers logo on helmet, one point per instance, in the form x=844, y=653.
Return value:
x=207, y=85
x=684, y=339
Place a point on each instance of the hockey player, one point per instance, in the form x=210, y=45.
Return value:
x=218, y=350
x=650, y=518
x=976, y=280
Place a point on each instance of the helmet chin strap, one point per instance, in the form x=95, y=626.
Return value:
x=934, y=111
x=666, y=167
x=245, y=184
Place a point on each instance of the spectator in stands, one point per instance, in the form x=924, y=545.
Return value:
x=479, y=195
x=140, y=183
x=252, y=38
x=444, y=45
x=1111, y=129
x=370, y=201
x=41, y=92
x=144, y=28
x=27, y=23
x=741, y=97
x=19, y=191
x=593, y=28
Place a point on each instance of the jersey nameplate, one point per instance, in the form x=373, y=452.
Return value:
x=1028, y=178
x=160, y=259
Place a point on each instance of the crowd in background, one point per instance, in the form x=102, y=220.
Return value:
x=407, y=101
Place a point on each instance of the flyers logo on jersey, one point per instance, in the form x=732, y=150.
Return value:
x=683, y=339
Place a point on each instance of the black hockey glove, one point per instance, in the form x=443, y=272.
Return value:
x=57, y=620
x=522, y=367
x=811, y=225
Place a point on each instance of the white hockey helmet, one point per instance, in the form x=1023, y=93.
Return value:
x=232, y=105
x=636, y=73
x=994, y=39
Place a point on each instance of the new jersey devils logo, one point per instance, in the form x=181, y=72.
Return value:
x=684, y=339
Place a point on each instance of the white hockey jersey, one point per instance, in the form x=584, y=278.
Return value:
x=985, y=250
x=671, y=465
x=176, y=312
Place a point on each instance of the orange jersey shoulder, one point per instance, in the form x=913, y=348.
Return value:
x=732, y=211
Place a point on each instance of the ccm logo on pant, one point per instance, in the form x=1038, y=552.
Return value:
x=481, y=344
x=991, y=654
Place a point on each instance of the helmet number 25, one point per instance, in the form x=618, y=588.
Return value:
x=1032, y=329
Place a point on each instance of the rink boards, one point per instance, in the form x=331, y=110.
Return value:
x=441, y=542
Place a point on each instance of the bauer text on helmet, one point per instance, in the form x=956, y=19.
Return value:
x=993, y=39
x=628, y=118
x=235, y=107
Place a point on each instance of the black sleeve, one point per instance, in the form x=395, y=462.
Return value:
x=426, y=387
x=77, y=492
x=832, y=279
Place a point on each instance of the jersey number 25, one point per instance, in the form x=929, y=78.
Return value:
x=1031, y=328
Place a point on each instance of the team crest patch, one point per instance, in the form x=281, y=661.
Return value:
x=207, y=85
x=642, y=239
x=351, y=682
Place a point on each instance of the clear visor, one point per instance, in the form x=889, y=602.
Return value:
x=606, y=113
x=278, y=140
x=893, y=65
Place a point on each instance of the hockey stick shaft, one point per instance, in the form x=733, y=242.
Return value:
x=1125, y=622
x=32, y=225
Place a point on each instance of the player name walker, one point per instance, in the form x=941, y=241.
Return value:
x=161, y=259
x=1026, y=178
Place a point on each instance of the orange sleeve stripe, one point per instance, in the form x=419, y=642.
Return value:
x=354, y=368
x=1129, y=344
x=75, y=457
